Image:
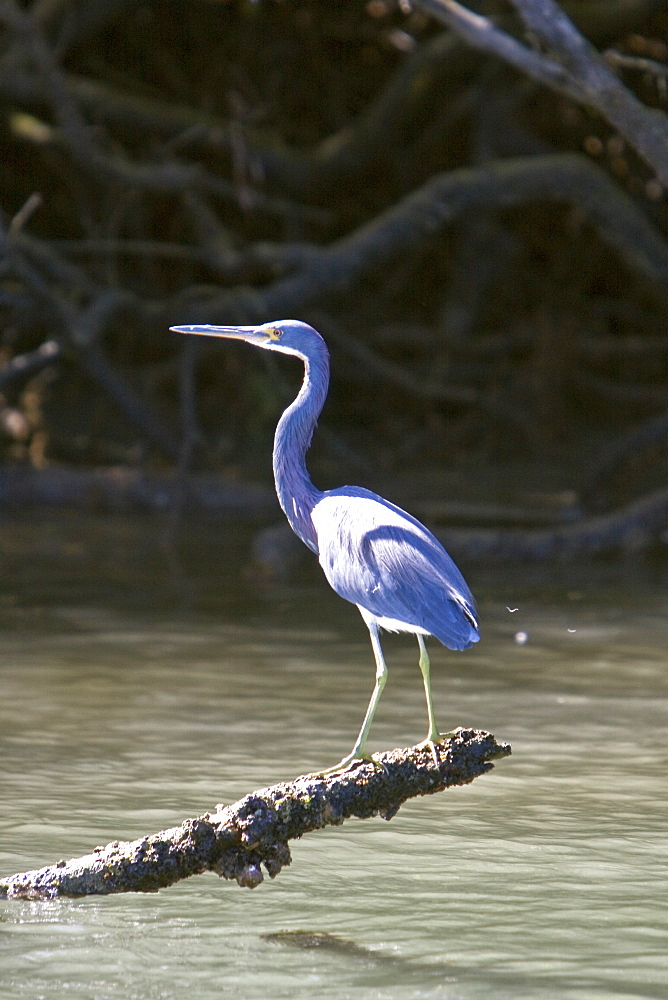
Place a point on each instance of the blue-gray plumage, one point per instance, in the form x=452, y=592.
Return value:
x=373, y=554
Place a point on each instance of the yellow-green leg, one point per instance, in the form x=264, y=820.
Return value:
x=358, y=752
x=433, y=736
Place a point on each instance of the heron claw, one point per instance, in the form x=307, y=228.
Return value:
x=431, y=742
x=434, y=753
x=347, y=762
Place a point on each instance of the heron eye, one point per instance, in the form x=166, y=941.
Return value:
x=274, y=333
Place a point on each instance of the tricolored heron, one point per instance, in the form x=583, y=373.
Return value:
x=373, y=553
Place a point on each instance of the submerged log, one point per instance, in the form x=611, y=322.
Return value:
x=239, y=840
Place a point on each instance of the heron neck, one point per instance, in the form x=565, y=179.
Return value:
x=296, y=493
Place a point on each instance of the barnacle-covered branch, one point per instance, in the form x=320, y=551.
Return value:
x=241, y=840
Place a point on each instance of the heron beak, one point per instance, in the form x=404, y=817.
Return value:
x=255, y=334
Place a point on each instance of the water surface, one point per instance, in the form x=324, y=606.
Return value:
x=144, y=679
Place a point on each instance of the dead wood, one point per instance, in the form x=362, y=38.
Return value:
x=570, y=65
x=24, y=366
x=636, y=527
x=238, y=841
x=428, y=184
x=122, y=488
x=405, y=226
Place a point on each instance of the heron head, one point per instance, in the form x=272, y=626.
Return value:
x=290, y=336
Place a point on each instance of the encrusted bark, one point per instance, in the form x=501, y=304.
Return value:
x=239, y=840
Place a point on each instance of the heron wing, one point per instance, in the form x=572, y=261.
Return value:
x=379, y=557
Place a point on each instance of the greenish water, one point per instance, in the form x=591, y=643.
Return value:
x=143, y=682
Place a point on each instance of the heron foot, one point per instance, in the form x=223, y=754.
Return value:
x=347, y=762
x=431, y=742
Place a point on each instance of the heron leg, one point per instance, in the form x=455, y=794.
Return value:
x=433, y=736
x=358, y=752
x=381, y=678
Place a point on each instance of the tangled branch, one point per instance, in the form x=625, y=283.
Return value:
x=431, y=199
x=569, y=64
